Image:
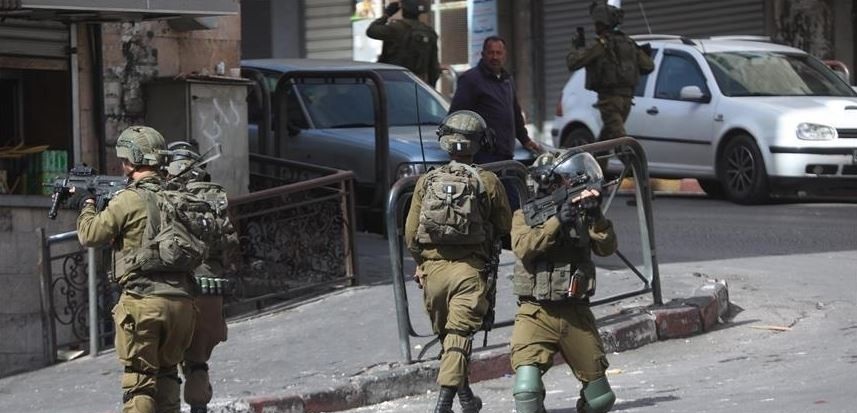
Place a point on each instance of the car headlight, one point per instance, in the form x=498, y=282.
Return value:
x=815, y=132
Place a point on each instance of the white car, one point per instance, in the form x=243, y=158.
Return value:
x=747, y=118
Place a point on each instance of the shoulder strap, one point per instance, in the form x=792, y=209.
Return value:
x=475, y=172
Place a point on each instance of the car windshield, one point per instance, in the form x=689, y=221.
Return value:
x=347, y=103
x=761, y=73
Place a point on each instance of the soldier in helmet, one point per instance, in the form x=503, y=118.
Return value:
x=408, y=42
x=553, y=279
x=457, y=213
x=183, y=171
x=155, y=314
x=613, y=67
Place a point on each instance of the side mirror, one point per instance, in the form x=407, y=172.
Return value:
x=694, y=94
x=292, y=129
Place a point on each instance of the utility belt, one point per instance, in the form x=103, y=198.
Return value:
x=546, y=303
x=214, y=286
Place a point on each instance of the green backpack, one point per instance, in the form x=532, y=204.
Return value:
x=451, y=211
x=179, y=228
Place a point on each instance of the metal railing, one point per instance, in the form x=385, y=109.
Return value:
x=628, y=150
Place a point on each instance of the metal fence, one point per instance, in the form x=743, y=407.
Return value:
x=296, y=232
x=513, y=174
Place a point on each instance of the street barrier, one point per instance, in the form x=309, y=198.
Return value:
x=513, y=173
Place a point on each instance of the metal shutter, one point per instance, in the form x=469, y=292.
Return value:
x=34, y=39
x=328, y=29
x=692, y=18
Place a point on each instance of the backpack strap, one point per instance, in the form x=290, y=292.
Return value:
x=475, y=172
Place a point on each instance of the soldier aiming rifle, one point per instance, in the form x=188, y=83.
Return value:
x=85, y=179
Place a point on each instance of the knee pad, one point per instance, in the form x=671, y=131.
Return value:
x=529, y=392
x=599, y=397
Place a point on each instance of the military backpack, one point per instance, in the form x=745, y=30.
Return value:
x=415, y=49
x=179, y=228
x=618, y=69
x=451, y=210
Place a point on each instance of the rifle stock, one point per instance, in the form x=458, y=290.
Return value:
x=84, y=178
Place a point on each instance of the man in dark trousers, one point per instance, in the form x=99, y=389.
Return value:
x=408, y=42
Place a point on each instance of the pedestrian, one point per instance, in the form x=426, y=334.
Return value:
x=155, y=314
x=614, y=64
x=457, y=213
x=211, y=284
x=489, y=90
x=408, y=42
x=554, y=277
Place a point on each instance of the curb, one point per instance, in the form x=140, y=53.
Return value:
x=633, y=328
x=667, y=186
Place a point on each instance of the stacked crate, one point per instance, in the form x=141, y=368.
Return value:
x=43, y=168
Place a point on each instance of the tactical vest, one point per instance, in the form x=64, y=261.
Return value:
x=617, y=71
x=549, y=276
x=414, y=49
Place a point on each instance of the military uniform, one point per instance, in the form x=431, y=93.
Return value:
x=155, y=314
x=613, y=53
x=393, y=33
x=453, y=286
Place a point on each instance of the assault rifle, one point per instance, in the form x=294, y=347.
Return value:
x=579, y=39
x=539, y=210
x=84, y=178
x=491, y=271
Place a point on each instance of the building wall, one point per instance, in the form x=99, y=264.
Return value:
x=135, y=53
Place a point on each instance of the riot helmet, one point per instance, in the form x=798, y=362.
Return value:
x=541, y=176
x=141, y=145
x=607, y=13
x=463, y=133
x=412, y=8
x=576, y=167
x=182, y=155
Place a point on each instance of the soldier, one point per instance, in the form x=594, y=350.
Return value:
x=211, y=325
x=553, y=279
x=457, y=213
x=155, y=314
x=408, y=42
x=613, y=67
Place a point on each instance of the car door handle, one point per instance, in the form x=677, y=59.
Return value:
x=652, y=110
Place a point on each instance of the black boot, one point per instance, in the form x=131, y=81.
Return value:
x=444, y=400
x=469, y=402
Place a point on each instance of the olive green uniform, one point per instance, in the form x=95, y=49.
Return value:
x=453, y=286
x=544, y=326
x=155, y=314
x=614, y=94
x=392, y=32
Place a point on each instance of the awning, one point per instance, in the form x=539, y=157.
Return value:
x=116, y=10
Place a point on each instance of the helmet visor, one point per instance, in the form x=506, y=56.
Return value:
x=578, y=168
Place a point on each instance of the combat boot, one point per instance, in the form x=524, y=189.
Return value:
x=444, y=400
x=199, y=409
x=470, y=403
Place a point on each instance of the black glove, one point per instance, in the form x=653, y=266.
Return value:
x=567, y=214
x=592, y=206
x=647, y=49
x=391, y=9
x=78, y=199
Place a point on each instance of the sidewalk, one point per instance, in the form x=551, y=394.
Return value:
x=341, y=351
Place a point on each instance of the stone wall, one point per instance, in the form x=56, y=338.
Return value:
x=22, y=343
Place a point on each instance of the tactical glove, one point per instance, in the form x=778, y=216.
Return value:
x=592, y=206
x=391, y=9
x=78, y=199
x=567, y=214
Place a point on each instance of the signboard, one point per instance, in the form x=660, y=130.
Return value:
x=482, y=23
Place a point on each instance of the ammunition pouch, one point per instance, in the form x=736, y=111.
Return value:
x=214, y=286
x=549, y=283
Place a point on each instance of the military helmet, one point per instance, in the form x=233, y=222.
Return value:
x=576, y=167
x=609, y=15
x=182, y=155
x=463, y=132
x=141, y=145
x=412, y=7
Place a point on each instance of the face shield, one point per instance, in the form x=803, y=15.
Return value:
x=578, y=168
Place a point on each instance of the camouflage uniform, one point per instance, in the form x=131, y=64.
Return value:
x=612, y=49
x=453, y=287
x=155, y=314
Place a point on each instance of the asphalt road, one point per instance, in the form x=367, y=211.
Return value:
x=789, y=343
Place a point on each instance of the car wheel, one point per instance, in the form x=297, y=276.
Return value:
x=712, y=187
x=742, y=171
x=577, y=137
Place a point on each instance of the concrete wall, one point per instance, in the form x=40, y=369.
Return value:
x=135, y=53
x=22, y=345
